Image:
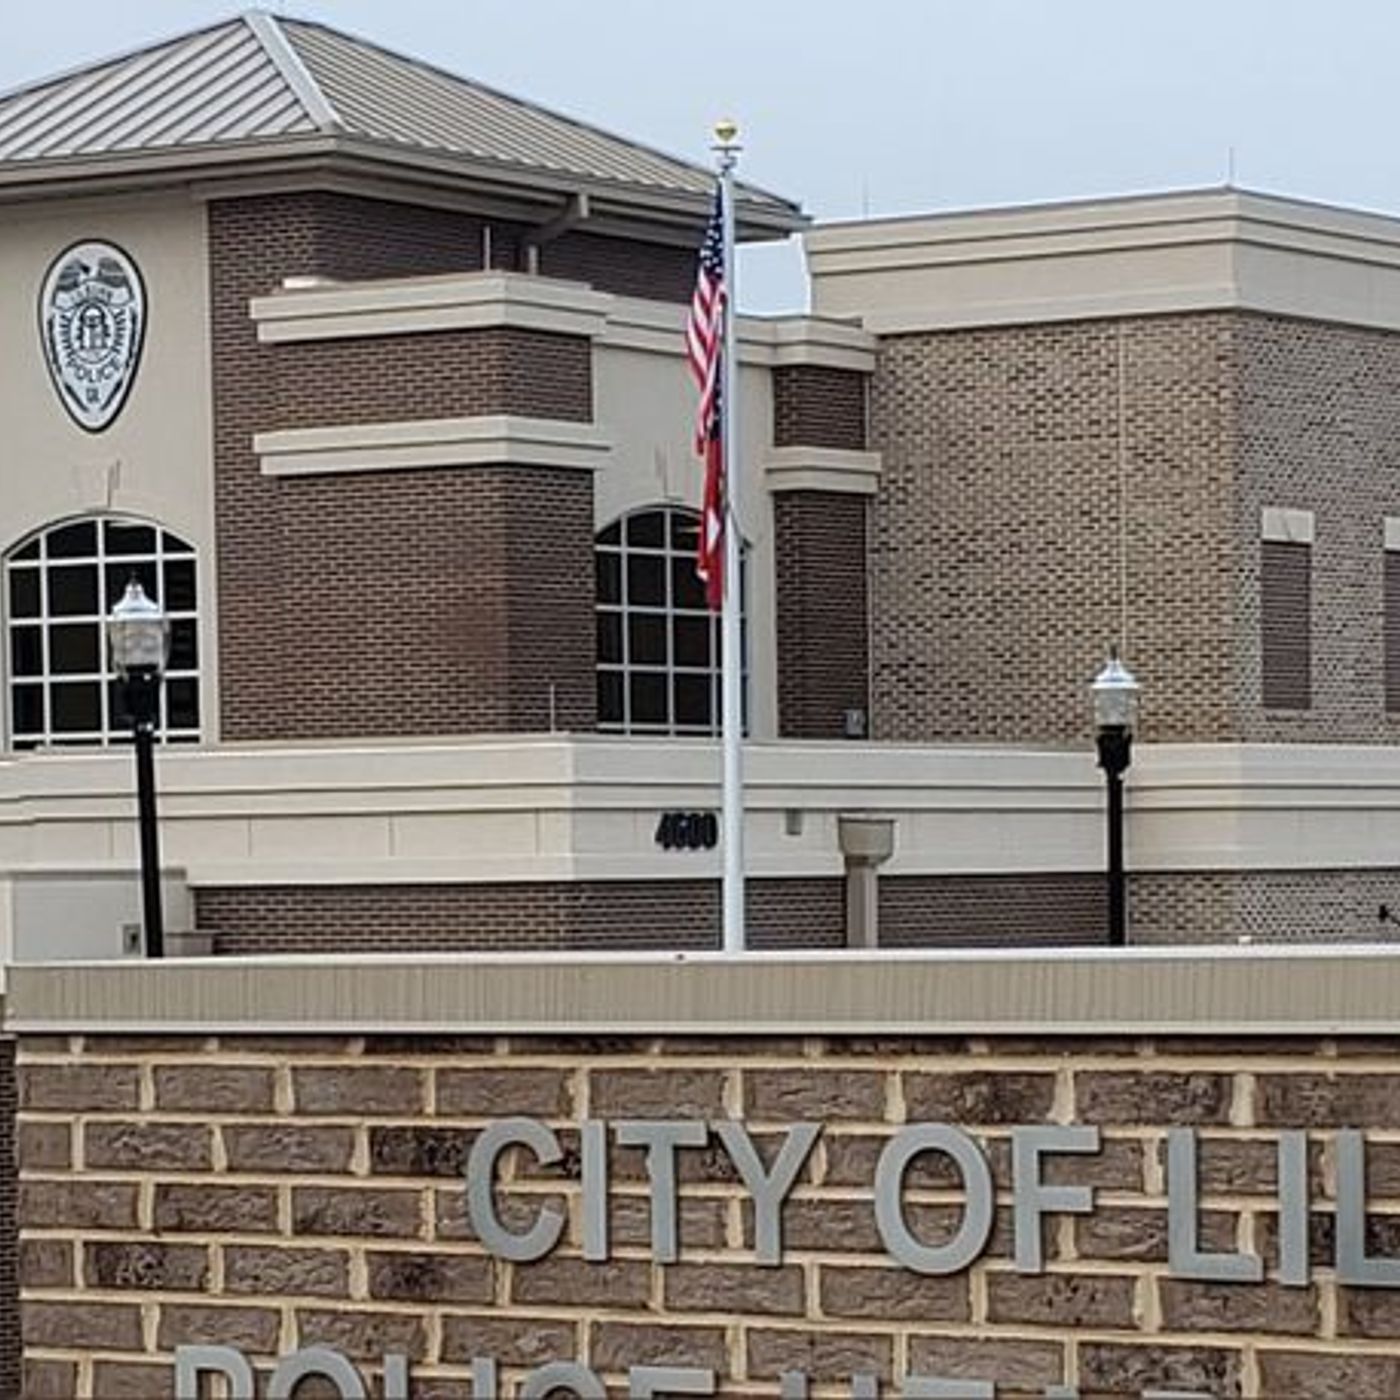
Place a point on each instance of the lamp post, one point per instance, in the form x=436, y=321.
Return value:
x=1115, y=705
x=138, y=634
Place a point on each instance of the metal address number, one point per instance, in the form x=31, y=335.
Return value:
x=687, y=831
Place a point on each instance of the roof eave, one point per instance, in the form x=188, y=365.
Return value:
x=123, y=171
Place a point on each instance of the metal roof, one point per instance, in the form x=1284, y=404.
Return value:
x=260, y=78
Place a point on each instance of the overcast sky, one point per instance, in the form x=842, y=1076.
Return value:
x=895, y=106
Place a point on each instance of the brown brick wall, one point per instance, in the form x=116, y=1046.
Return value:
x=442, y=374
x=9, y=1263
x=420, y=602
x=677, y=913
x=822, y=611
x=953, y=911
x=816, y=406
x=915, y=912
x=653, y=270
x=271, y=1193
x=1002, y=513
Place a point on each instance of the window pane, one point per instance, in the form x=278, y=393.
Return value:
x=646, y=639
x=73, y=590
x=24, y=593
x=77, y=705
x=686, y=589
x=184, y=645
x=648, y=698
x=609, y=637
x=646, y=580
x=29, y=551
x=173, y=544
x=181, y=704
x=693, y=702
x=609, y=574
x=685, y=533
x=26, y=651
x=119, y=575
x=647, y=530
x=179, y=586
x=75, y=649
x=612, y=535
x=73, y=541
x=29, y=709
x=609, y=697
x=692, y=641
x=121, y=538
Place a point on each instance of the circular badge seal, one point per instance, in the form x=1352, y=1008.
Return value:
x=92, y=320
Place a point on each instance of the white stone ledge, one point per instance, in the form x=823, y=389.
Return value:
x=413, y=305
x=1208, y=991
x=1284, y=525
x=488, y=440
x=1144, y=255
x=486, y=300
x=822, y=469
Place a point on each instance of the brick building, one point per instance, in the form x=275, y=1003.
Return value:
x=397, y=427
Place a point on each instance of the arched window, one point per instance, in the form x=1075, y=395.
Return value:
x=658, y=644
x=59, y=587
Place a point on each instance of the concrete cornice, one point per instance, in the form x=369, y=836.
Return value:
x=480, y=300
x=1209, y=250
x=473, y=301
x=1265, y=991
x=489, y=440
x=822, y=469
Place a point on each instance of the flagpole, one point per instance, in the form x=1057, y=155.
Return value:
x=731, y=628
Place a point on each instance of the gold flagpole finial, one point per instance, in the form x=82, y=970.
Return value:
x=726, y=131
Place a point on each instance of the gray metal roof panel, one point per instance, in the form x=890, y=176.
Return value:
x=257, y=78
x=160, y=96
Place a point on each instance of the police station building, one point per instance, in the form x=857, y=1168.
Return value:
x=374, y=378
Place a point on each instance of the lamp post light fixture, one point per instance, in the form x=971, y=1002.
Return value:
x=1115, y=710
x=138, y=634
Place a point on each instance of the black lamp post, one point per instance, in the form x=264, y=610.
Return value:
x=138, y=634
x=1115, y=704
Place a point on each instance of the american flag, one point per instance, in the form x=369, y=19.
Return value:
x=704, y=343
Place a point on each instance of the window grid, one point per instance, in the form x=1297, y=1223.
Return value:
x=666, y=539
x=106, y=572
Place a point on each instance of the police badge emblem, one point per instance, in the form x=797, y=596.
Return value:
x=92, y=317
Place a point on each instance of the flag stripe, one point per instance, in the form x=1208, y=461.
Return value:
x=704, y=344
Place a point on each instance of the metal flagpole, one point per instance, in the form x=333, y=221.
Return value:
x=731, y=628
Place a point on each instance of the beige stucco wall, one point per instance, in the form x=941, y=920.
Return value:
x=155, y=460
x=644, y=402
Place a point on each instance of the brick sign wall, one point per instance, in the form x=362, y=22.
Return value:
x=265, y=1195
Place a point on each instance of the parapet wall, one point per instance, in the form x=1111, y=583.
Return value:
x=1081, y=1174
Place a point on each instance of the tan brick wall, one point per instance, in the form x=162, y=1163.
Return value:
x=1264, y=906
x=1318, y=430
x=270, y=1193
x=1017, y=482
x=1001, y=517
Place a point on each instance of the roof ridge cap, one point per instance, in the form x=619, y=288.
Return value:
x=267, y=30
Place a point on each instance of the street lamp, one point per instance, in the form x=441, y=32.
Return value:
x=138, y=634
x=1115, y=705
